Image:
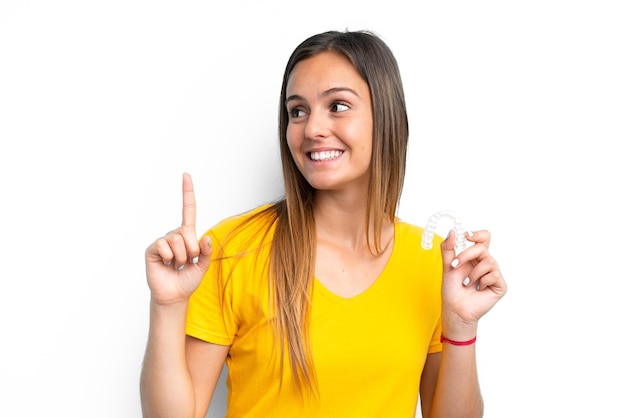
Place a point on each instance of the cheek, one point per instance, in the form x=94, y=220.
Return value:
x=293, y=143
x=363, y=139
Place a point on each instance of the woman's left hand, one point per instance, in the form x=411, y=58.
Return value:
x=472, y=283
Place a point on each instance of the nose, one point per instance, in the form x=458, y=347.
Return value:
x=317, y=126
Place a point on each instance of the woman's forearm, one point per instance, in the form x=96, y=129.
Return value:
x=166, y=386
x=457, y=393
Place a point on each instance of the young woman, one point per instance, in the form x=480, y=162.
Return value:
x=322, y=304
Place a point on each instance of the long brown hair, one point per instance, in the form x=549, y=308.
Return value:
x=293, y=248
x=292, y=258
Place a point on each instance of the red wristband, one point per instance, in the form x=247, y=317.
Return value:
x=468, y=342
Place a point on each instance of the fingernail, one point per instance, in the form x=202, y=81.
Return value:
x=181, y=267
x=477, y=286
x=195, y=260
x=210, y=241
x=455, y=263
x=466, y=281
x=169, y=263
x=470, y=234
x=449, y=232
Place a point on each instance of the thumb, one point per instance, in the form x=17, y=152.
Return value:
x=448, y=252
x=206, y=251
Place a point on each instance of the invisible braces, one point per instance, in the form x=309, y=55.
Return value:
x=429, y=231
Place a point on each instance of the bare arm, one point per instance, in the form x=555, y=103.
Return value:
x=205, y=362
x=428, y=382
x=179, y=373
x=456, y=391
x=472, y=285
x=166, y=385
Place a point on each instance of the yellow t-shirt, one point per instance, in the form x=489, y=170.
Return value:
x=368, y=350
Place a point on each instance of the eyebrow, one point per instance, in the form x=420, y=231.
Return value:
x=324, y=94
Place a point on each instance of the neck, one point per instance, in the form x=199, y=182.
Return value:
x=341, y=218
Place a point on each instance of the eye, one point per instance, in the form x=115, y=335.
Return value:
x=339, y=107
x=295, y=113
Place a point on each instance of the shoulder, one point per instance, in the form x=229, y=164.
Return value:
x=414, y=246
x=248, y=229
x=409, y=232
x=248, y=216
x=411, y=256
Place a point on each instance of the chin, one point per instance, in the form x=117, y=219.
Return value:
x=321, y=186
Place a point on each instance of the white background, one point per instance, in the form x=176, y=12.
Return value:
x=517, y=114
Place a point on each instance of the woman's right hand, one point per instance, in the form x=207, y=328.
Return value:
x=176, y=262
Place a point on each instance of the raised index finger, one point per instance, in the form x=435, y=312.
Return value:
x=189, y=202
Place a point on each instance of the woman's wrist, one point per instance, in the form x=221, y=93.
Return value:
x=455, y=329
x=443, y=339
x=168, y=313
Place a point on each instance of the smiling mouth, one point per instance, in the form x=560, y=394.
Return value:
x=324, y=155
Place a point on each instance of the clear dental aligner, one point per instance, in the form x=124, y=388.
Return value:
x=429, y=231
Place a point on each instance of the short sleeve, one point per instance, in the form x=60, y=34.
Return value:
x=210, y=312
x=435, y=343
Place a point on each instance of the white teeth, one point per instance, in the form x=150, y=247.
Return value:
x=325, y=155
